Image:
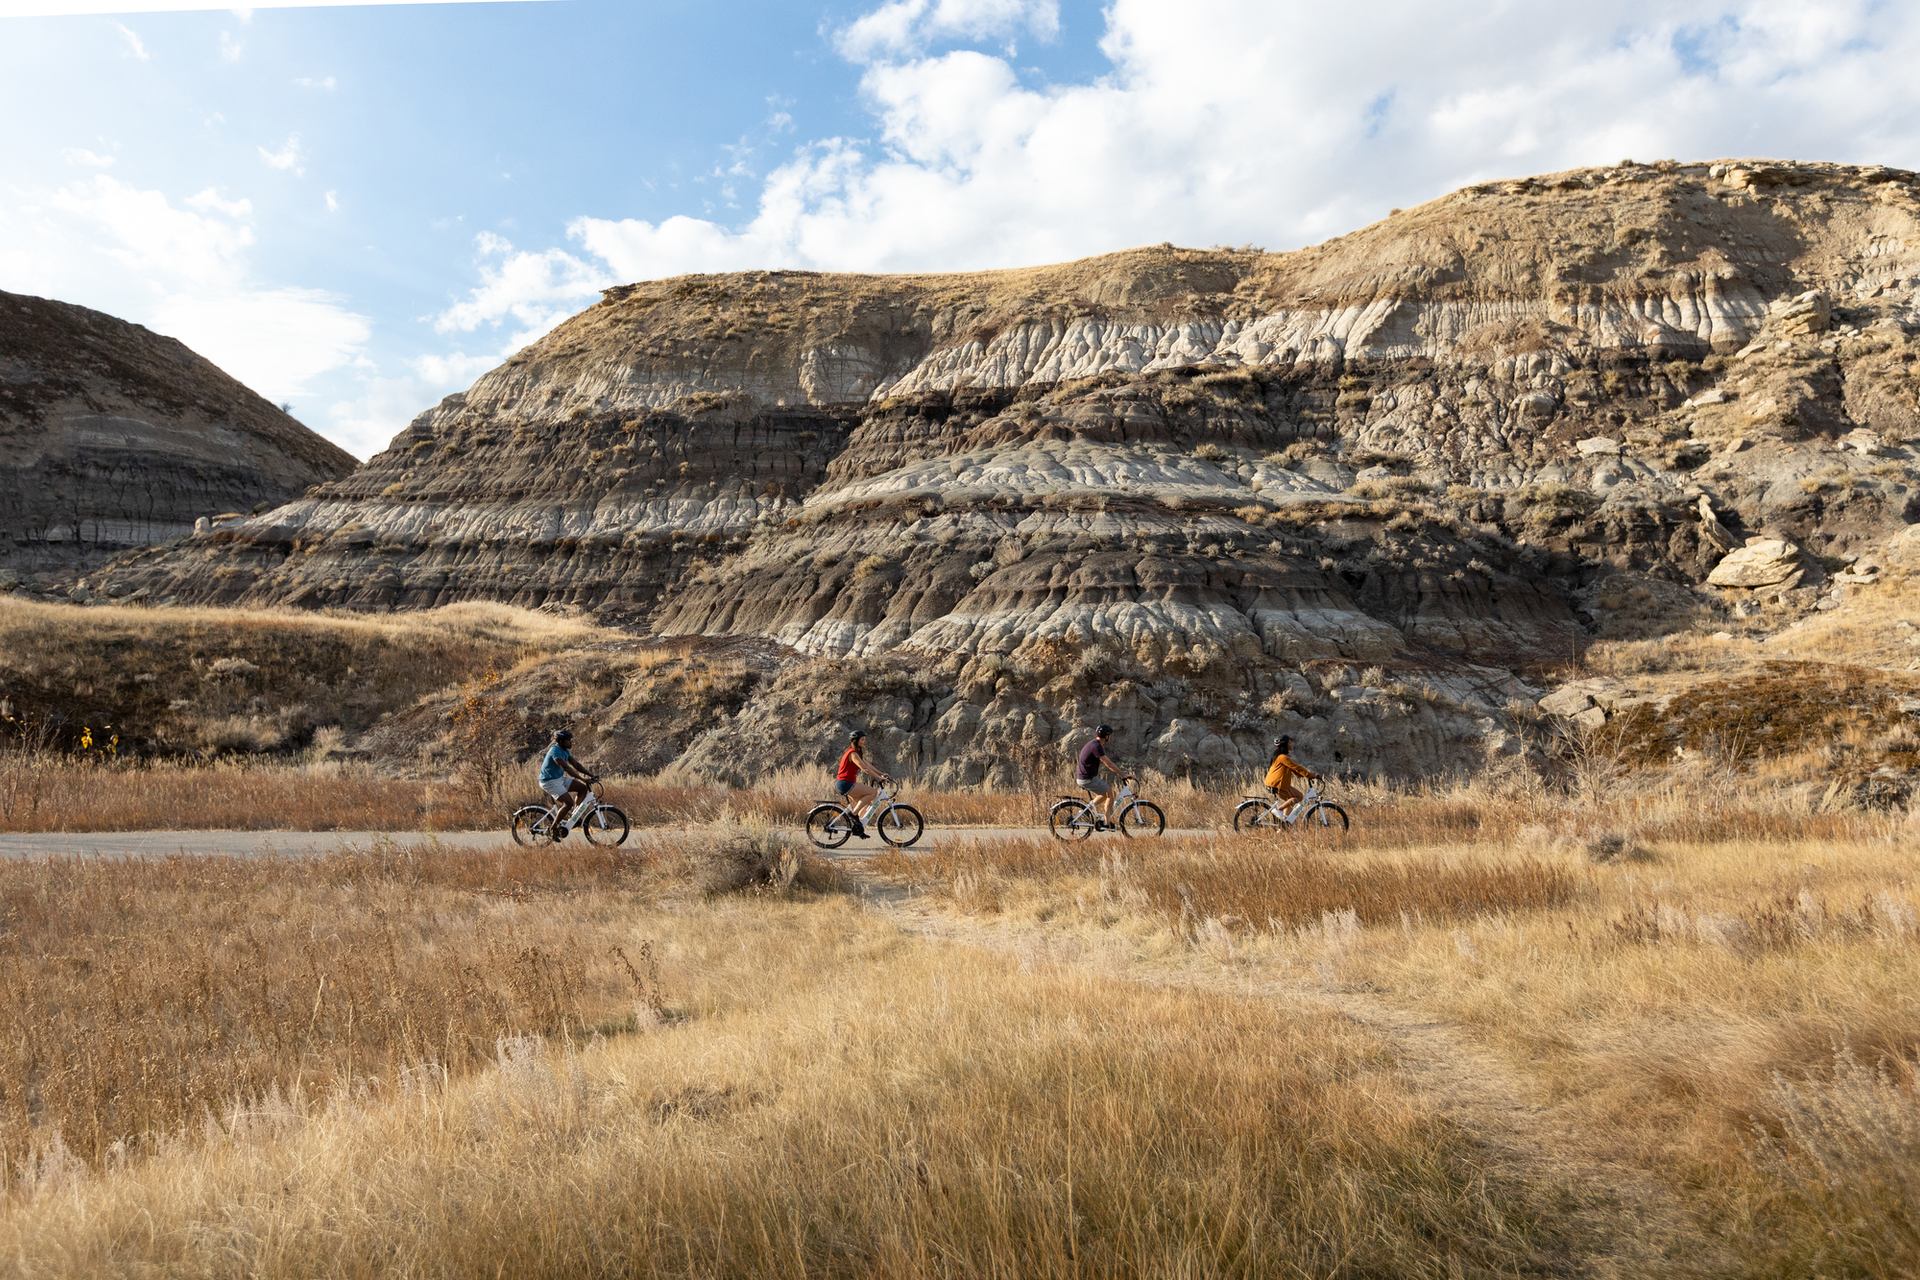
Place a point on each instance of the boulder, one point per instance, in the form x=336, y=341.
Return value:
x=1570, y=701
x=1801, y=316
x=1598, y=447
x=1763, y=562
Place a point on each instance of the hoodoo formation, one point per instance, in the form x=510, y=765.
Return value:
x=1371, y=491
x=113, y=437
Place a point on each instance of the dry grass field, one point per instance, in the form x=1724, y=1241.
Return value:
x=1696, y=1005
x=1620, y=1022
x=788, y=1084
x=146, y=998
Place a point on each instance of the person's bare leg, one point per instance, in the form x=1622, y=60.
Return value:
x=1289, y=800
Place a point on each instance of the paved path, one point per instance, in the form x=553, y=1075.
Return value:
x=311, y=843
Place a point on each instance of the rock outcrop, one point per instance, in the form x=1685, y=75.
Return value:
x=113, y=437
x=1372, y=491
x=1763, y=562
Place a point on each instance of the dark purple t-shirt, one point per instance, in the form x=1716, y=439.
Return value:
x=1089, y=766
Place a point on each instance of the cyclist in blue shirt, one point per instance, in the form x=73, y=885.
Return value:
x=562, y=778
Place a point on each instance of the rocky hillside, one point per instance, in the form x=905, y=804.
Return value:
x=1380, y=492
x=114, y=437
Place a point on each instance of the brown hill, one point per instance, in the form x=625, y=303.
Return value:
x=114, y=437
x=1374, y=492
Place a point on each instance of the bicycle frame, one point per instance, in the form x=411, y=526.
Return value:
x=881, y=798
x=1125, y=796
x=1308, y=799
x=588, y=806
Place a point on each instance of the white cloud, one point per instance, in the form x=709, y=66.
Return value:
x=333, y=201
x=365, y=422
x=535, y=291
x=85, y=159
x=211, y=201
x=905, y=26
x=326, y=84
x=1237, y=121
x=182, y=269
x=231, y=50
x=136, y=47
x=288, y=159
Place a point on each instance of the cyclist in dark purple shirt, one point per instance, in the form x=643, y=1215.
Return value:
x=1087, y=773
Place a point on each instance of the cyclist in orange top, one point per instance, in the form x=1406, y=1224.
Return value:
x=1283, y=770
x=847, y=783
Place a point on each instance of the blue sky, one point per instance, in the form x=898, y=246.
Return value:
x=360, y=209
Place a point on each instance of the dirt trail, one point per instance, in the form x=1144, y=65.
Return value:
x=1604, y=1219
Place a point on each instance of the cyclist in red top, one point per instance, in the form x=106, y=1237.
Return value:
x=847, y=783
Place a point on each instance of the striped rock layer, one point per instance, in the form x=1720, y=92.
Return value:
x=1370, y=491
x=112, y=437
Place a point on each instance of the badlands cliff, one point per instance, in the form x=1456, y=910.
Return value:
x=114, y=437
x=1375, y=492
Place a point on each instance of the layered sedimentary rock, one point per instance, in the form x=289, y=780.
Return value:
x=1372, y=490
x=114, y=437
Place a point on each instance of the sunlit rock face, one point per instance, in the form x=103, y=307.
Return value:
x=113, y=437
x=1362, y=491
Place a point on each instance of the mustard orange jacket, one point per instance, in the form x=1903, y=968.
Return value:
x=1285, y=768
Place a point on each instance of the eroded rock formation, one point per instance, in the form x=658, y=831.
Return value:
x=1372, y=491
x=113, y=437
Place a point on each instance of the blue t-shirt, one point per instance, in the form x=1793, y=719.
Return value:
x=550, y=763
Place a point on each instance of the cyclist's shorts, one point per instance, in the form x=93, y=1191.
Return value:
x=1099, y=786
x=842, y=785
x=555, y=787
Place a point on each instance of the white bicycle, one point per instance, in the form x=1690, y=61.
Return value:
x=830, y=823
x=1073, y=818
x=601, y=823
x=1313, y=813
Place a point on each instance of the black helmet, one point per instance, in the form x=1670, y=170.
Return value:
x=563, y=736
x=1283, y=743
x=857, y=735
x=1103, y=731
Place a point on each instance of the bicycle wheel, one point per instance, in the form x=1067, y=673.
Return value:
x=1142, y=818
x=606, y=825
x=532, y=824
x=828, y=826
x=1252, y=816
x=1325, y=817
x=1071, y=820
x=901, y=825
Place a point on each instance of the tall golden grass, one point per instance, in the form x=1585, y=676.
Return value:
x=143, y=996
x=1707, y=984
x=146, y=997
x=840, y=1102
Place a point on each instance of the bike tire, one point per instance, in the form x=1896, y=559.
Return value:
x=1251, y=816
x=1326, y=817
x=1142, y=818
x=900, y=825
x=607, y=826
x=821, y=829
x=1070, y=820
x=531, y=825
